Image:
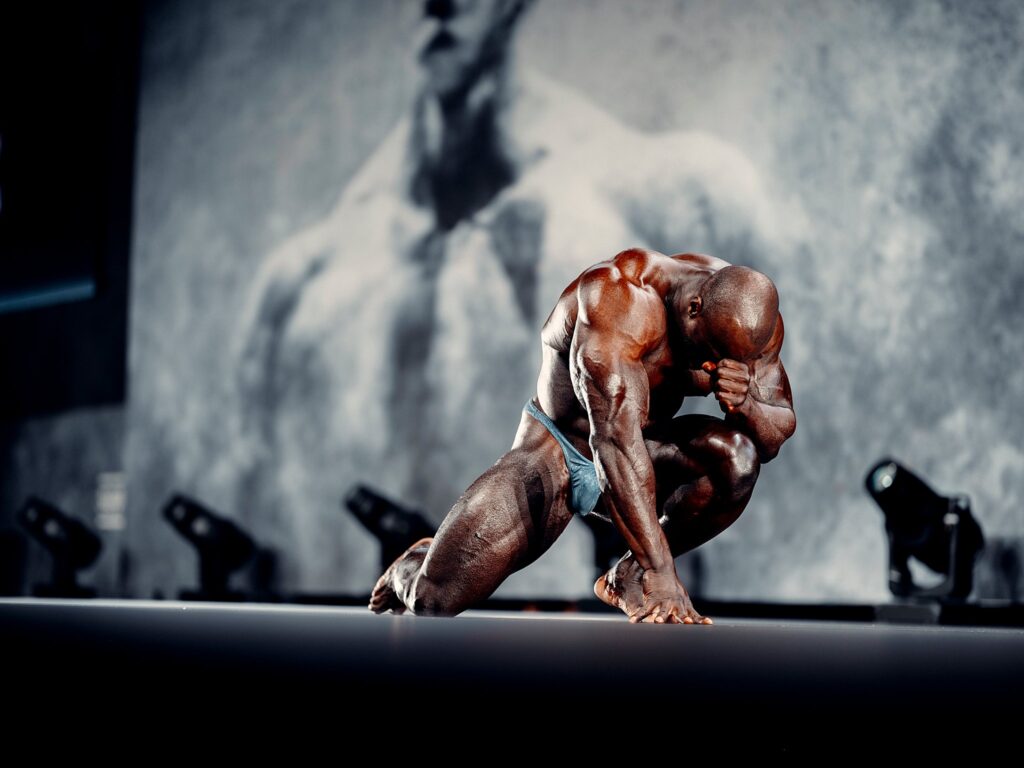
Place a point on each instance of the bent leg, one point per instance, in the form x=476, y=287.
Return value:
x=503, y=522
x=705, y=473
x=709, y=471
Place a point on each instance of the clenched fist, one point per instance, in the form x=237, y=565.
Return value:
x=730, y=382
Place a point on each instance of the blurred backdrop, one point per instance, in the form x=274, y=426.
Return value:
x=333, y=281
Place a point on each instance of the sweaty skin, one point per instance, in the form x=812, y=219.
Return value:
x=627, y=341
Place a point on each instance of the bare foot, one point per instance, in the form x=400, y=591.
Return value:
x=384, y=596
x=665, y=601
x=622, y=587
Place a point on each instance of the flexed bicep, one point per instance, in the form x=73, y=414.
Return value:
x=770, y=381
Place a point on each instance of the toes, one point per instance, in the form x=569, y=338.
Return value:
x=660, y=615
x=639, y=615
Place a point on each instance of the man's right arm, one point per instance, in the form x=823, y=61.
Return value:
x=617, y=323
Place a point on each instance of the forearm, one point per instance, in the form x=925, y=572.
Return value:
x=768, y=426
x=628, y=484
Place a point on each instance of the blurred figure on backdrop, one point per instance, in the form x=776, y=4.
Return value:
x=393, y=341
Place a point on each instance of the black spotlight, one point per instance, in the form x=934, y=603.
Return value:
x=939, y=531
x=222, y=547
x=396, y=527
x=70, y=542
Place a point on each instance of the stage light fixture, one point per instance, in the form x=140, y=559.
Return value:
x=221, y=545
x=938, y=531
x=70, y=542
x=395, y=527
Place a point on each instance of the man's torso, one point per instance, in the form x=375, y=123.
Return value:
x=666, y=360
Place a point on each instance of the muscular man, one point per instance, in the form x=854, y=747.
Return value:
x=627, y=341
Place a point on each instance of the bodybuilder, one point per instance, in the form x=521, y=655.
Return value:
x=627, y=341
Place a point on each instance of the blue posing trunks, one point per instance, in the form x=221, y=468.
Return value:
x=582, y=473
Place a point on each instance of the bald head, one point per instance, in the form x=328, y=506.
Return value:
x=739, y=309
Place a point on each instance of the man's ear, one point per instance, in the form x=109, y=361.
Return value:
x=696, y=305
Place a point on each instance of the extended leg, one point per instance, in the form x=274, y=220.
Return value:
x=705, y=474
x=506, y=519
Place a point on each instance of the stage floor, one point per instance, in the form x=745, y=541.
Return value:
x=798, y=676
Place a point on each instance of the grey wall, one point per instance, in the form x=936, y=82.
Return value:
x=888, y=136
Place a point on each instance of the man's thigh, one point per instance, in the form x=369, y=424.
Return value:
x=505, y=520
x=683, y=449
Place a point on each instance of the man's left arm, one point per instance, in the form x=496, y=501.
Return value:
x=756, y=397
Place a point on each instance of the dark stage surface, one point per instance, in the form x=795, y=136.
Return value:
x=798, y=680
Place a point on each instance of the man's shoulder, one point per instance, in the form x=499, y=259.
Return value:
x=625, y=268
x=613, y=293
